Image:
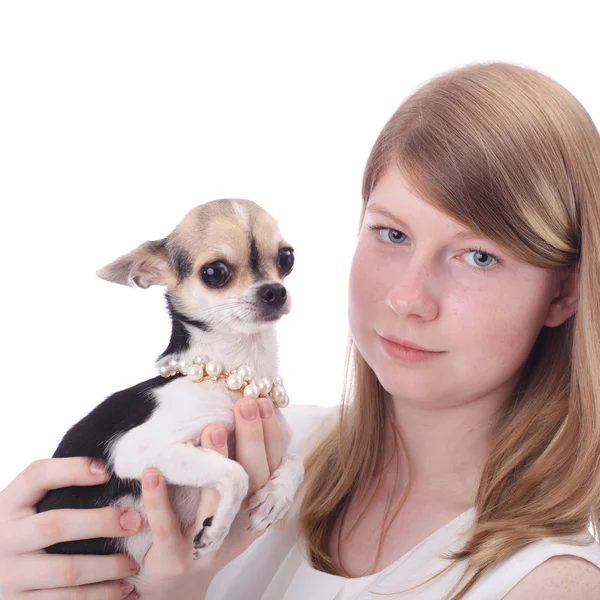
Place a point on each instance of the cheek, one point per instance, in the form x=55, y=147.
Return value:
x=195, y=298
x=366, y=295
x=355, y=303
x=501, y=328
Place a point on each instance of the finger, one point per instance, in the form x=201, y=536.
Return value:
x=167, y=538
x=53, y=526
x=213, y=439
x=214, y=436
x=271, y=433
x=250, y=444
x=41, y=571
x=115, y=590
x=31, y=485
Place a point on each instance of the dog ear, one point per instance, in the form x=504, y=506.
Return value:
x=147, y=265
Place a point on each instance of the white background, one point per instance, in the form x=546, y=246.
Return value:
x=118, y=117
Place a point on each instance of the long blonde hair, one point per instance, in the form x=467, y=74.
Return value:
x=511, y=154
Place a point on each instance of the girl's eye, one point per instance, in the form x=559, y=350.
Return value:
x=391, y=235
x=481, y=259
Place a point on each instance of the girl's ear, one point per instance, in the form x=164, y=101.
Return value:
x=564, y=303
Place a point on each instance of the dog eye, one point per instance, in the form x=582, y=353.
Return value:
x=286, y=260
x=215, y=274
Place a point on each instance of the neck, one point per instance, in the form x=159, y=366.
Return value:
x=230, y=347
x=448, y=447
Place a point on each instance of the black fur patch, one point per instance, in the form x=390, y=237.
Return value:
x=119, y=413
x=180, y=337
x=254, y=257
x=182, y=265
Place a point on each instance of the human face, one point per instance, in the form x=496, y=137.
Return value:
x=424, y=278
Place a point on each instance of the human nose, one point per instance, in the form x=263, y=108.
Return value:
x=412, y=293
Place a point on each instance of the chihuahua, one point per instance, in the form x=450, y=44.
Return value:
x=223, y=267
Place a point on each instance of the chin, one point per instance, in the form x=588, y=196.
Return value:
x=402, y=382
x=256, y=326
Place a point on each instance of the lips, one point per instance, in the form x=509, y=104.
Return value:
x=407, y=344
x=406, y=351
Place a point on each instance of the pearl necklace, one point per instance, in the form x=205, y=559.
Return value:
x=202, y=368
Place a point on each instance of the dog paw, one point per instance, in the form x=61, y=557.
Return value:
x=268, y=505
x=198, y=543
x=232, y=488
x=210, y=537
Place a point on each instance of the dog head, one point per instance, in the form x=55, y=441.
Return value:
x=223, y=267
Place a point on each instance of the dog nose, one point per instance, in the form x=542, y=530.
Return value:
x=273, y=294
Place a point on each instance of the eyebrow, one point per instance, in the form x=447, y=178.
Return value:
x=466, y=234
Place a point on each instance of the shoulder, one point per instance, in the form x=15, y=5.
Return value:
x=552, y=568
x=559, y=577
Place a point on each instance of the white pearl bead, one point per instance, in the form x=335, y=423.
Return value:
x=245, y=372
x=264, y=385
x=235, y=381
x=201, y=360
x=164, y=370
x=278, y=394
x=277, y=380
x=251, y=390
x=182, y=365
x=195, y=371
x=214, y=368
x=173, y=363
x=284, y=402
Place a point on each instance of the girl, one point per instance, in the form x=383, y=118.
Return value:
x=464, y=462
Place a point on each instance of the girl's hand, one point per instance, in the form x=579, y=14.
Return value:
x=24, y=533
x=169, y=569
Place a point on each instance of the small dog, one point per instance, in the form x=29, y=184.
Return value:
x=222, y=267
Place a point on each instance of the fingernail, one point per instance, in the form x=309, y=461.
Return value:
x=218, y=437
x=97, y=467
x=249, y=409
x=151, y=481
x=133, y=564
x=265, y=407
x=126, y=588
x=130, y=519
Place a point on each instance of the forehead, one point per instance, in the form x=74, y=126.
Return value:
x=393, y=199
x=228, y=228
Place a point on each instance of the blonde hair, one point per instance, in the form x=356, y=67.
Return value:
x=511, y=154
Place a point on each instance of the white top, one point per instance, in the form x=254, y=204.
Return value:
x=275, y=566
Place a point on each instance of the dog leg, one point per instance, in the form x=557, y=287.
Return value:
x=186, y=464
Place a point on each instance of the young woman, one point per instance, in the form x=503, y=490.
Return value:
x=464, y=462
